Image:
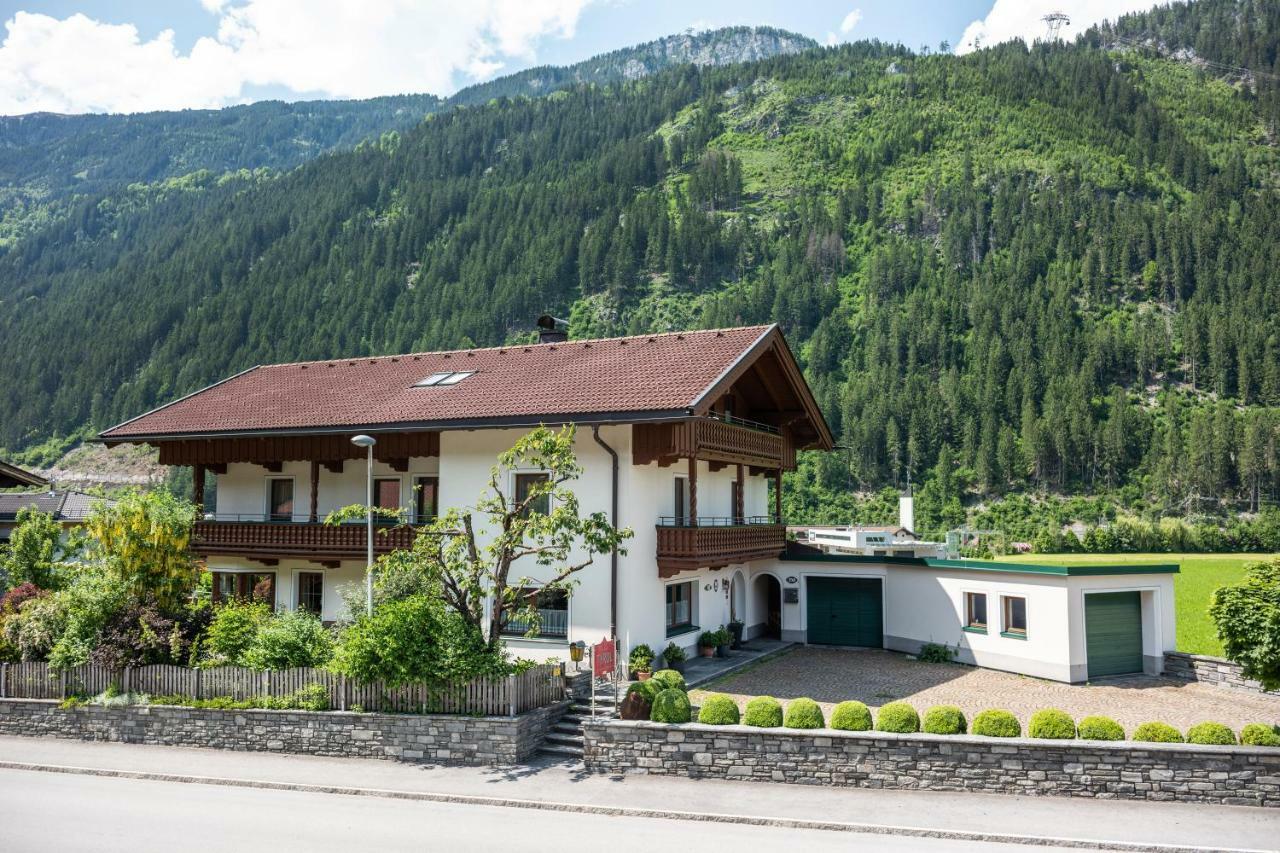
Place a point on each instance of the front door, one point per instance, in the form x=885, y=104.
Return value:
x=845, y=612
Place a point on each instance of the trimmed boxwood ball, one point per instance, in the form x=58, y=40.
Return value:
x=668, y=679
x=1052, y=724
x=1213, y=734
x=1101, y=728
x=898, y=717
x=851, y=716
x=647, y=689
x=671, y=706
x=1259, y=734
x=764, y=712
x=944, y=720
x=1157, y=733
x=995, y=722
x=718, y=710
x=803, y=713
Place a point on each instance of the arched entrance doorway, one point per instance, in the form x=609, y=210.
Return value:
x=738, y=598
x=767, y=601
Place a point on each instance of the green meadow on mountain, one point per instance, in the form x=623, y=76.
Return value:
x=1051, y=270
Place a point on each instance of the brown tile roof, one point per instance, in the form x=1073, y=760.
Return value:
x=647, y=374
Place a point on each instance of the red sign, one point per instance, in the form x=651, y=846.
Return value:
x=602, y=658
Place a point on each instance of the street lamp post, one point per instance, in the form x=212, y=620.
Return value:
x=368, y=441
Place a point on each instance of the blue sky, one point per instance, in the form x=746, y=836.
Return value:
x=132, y=55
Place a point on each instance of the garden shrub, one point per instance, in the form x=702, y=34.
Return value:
x=763, y=712
x=669, y=679
x=674, y=654
x=851, y=716
x=1247, y=638
x=719, y=710
x=898, y=717
x=1157, y=733
x=803, y=713
x=90, y=601
x=641, y=658
x=289, y=639
x=995, y=722
x=36, y=627
x=936, y=653
x=648, y=689
x=233, y=631
x=1259, y=734
x=1213, y=734
x=1100, y=728
x=944, y=720
x=1052, y=724
x=671, y=706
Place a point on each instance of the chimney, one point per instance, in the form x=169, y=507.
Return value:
x=907, y=512
x=552, y=330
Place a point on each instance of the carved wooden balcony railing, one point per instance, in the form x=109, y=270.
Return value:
x=714, y=440
x=682, y=547
x=273, y=540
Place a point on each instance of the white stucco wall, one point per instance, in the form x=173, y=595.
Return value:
x=244, y=489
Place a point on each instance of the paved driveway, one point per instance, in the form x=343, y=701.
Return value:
x=877, y=677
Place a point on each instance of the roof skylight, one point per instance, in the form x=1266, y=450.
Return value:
x=444, y=378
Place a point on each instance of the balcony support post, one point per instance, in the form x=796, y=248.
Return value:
x=777, y=496
x=197, y=488
x=693, y=491
x=315, y=490
x=739, y=500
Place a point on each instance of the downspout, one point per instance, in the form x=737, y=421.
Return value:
x=613, y=519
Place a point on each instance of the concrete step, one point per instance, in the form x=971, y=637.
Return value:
x=561, y=739
x=554, y=749
x=568, y=728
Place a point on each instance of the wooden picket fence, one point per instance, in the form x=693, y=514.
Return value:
x=509, y=695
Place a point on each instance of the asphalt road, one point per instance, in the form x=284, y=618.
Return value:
x=42, y=811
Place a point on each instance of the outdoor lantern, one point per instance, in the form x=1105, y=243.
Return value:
x=577, y=651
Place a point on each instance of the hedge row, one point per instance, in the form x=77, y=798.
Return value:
x=671, y=705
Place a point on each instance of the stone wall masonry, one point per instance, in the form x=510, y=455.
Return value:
x=1210, y=670
x=1122, y=770
x=427, y=738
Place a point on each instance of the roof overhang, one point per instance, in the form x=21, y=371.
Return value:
x=13, y=475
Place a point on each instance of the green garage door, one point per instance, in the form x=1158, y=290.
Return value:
x=846, y=612
x=1113, y=632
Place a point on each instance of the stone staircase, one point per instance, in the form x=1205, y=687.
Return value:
x=565, y=738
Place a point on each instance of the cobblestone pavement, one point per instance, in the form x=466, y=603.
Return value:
x=877, y=677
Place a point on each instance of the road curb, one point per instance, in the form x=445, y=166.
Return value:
x=619, y=811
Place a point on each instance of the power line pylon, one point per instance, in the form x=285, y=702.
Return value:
x=1053, y=23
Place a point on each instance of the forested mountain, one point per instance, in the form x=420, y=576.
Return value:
x=46, y=158
x=1052, y=269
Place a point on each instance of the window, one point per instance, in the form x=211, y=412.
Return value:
x=679, y=607
x=680, y=502
x=975, y=612
x=553, y=613
x=425, y=498
x=524, y=487
x=244, y=586
x=280, y=503
x=1015, y=617
x=443, y=378
x=310, y=596
x=386, y=493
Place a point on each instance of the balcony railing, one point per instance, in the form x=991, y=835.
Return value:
x=261, y=536
x=733, y=441
x=554, y=624
x=716, y=542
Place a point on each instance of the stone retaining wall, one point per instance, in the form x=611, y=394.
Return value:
x=434, y=738
x=1210, y=670
x=1202, y=774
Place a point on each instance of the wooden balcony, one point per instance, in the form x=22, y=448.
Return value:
x=714, y=440
x=272, y=540
x=711, y=545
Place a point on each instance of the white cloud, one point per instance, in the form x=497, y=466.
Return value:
x=317, y=47
x=1010, y=19
x=850, y=21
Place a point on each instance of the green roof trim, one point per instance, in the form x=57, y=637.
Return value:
x=989, y=566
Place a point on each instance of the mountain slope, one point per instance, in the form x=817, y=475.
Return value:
x=46, y=158
x=1052, y=269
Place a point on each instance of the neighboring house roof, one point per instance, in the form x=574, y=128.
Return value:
x=64, y=505
x=12, y=475
x=667, y=375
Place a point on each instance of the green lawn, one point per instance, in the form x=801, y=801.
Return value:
x=1201, y=575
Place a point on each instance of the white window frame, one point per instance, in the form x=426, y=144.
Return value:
x=267, y=513
x=966, y=623
x=1004, y=617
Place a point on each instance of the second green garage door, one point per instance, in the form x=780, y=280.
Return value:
x=1113, y=632
x=845, y=612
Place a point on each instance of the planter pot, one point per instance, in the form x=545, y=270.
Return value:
x=736, y=628
x=643, y=676
x=722, y=651
x=707, y=651
x=677, y=665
